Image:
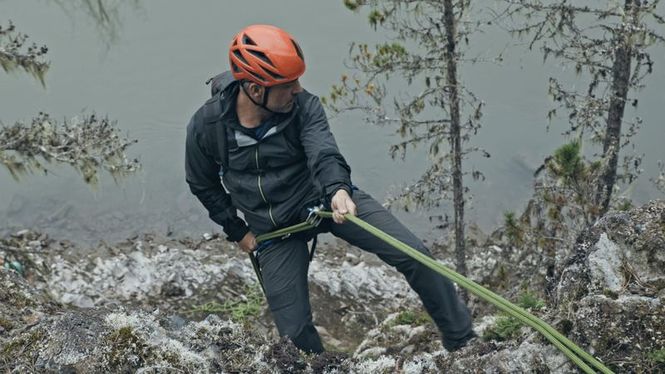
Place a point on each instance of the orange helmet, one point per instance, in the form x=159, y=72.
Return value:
x=266, y=55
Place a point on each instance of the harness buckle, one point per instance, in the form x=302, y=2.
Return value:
x=313, y=218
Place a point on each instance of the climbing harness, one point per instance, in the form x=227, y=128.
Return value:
x=314, y=218
x=257, y=270
x=576, y=354
x=263, y=241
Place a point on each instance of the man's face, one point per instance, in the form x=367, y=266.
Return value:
x=282, y=97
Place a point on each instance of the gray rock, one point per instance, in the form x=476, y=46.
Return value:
x=605, y=264
x=608, y=299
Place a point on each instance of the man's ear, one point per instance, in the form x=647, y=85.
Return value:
x=255, y=89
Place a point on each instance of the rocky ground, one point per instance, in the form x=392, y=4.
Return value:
x=160, y=305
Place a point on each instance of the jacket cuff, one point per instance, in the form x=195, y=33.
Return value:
x=236, y=230
x=333, y=188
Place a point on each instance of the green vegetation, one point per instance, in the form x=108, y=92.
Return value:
x=529, y=300
x=657, y=356
x=568, y=33
x=21, y=343
x=122, y=342
x=427, y=44
x=568, y=162
x=16, y=298
x=514, y=231
x=507, y=327
x=611, y=294
x=6, y=324
x=239, y=310
x=411, y=317
x=624, y=205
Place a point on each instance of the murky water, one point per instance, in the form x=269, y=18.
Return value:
x=150, y=79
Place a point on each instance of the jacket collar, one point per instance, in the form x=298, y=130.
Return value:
x=229, y=96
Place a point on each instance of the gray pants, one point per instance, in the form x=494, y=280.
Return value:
x=284, y=265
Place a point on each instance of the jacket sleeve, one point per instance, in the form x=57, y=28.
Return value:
x=324, y=160
x=202, y=175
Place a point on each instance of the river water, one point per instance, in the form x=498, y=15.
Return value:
x=150, y=79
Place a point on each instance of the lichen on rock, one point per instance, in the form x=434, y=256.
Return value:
x=607, y=297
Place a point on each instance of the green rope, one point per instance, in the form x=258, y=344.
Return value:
x=283, y=232
x=565, y=345
x=560, y=341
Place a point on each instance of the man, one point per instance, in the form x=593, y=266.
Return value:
x=278, y=157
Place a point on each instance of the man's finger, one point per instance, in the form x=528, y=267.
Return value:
x=354, y=211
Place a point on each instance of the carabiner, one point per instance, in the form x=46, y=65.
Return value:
x=313, y=218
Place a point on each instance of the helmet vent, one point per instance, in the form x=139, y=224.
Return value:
x=256, y=76
x=298, y=50
x=240, y=56
x=265, y=55
x=262, y=56
x=274, y=75
x=247, y=40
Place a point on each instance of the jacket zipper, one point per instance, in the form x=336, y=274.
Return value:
x=256, y=157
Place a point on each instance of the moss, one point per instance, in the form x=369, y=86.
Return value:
x=505, y=328
x=529, y=300
x=6, y=324
x=657, y=356
x=22, y=342
x=241, y=311
x=172, y=359
x=611, y=294
x=128, y=350
x=502, y=276
x=410, y=317
x=16, y=299
x=330, y=362
x=285, y=357
x=201, y=333
x=624, y=205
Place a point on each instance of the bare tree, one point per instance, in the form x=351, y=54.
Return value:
x=608, y=45
x=105, y=14
x=87, y=144
x=14, y=55
x=425, y=54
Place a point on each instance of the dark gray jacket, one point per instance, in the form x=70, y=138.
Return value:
x=271, y=180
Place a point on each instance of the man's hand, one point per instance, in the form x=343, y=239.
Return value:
x=248, y=243
x=342, y=204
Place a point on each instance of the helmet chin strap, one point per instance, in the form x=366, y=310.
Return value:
x=265, y=98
